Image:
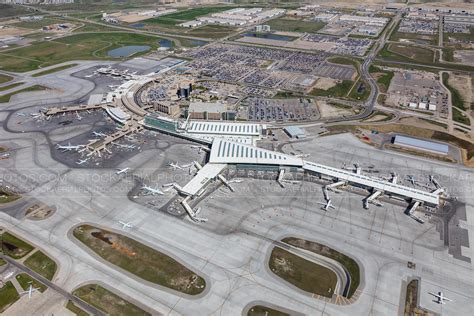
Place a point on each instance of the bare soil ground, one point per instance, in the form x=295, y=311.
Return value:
x=325, y=83
x=327, y=110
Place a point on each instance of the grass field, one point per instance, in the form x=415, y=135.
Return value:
x=11, y=86
x=338, y=91
x=417, y=38
x=41, y=264
x=360, y=91
x=75, y=309
x=212, y=31
x=456, y=97
x=75, y=47
x=8, y=296
x=304, y=274
x=143, y=261
x=384, y=79
x=2, y=262
x=349, y=263
x=25, y=280
x=7, y=10
x=53, y=70
x=13, y=246
x=295, y=25
x=260, y=310
x=6, y=98
x=186, y=15
x=5, y=78
x=400, y=52
x=461, y=36
x=39, y=24
x=107, y=301
x=459, y=117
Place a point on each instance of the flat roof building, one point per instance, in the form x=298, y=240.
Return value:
x=419, y=144
x=294, y=132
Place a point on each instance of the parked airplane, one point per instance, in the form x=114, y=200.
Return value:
x=30, y=290
x=69, y=147
x=326, y=206
x=176, y=166
x=153, y=191
x=441, y=298
x=120, y=171
x=125, y=224
x=20, y=114
x=411, y=179
x=236, y=180
x=79, y=118
x=98, y=134
x=82, y=161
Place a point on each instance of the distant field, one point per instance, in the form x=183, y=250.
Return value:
x=75, y=47
x=6, y=98
x=260, y=310
x=53, y=70
x=417, y=38
x=459, y=117
x=40, y=24
x=304, y=274
x=338, y=91
x=25, y=280
x=106, y=301
x=456, y=98
x=140, y=260
x=186, y=15
x=461, y=36
x=212, y=31
x=293, y=25
x=5, y=78
x=13, y=246
x=41, y=264
x=7, y=10
x=8, y=296
x=400, y=52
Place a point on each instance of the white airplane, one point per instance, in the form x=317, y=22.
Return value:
x=326, y=206
x=175, y=166
x=82, y=161
x=441, y=298
x=236, y=180
x=20, y=114
x=125, y=224
x=120, y=171
x=79, y=118
x=98, y=134
x=69, y=147
x=30, y=291
x=153, y=191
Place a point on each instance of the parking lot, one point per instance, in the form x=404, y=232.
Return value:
x=334, y=71
x=259, y=109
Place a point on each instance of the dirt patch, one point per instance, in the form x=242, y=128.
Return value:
x=325, y=83
x=13, y=31
x=328, y=110
x=464, y=57
x=463, y=83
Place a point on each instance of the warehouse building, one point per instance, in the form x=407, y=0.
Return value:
x=294, y=132
x=419, y=144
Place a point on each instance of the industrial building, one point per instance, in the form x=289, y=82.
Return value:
x=294, y=132
x=419, y=144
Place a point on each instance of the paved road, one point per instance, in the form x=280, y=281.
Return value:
x=83, y=305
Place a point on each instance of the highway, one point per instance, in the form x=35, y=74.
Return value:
x=83, y=305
